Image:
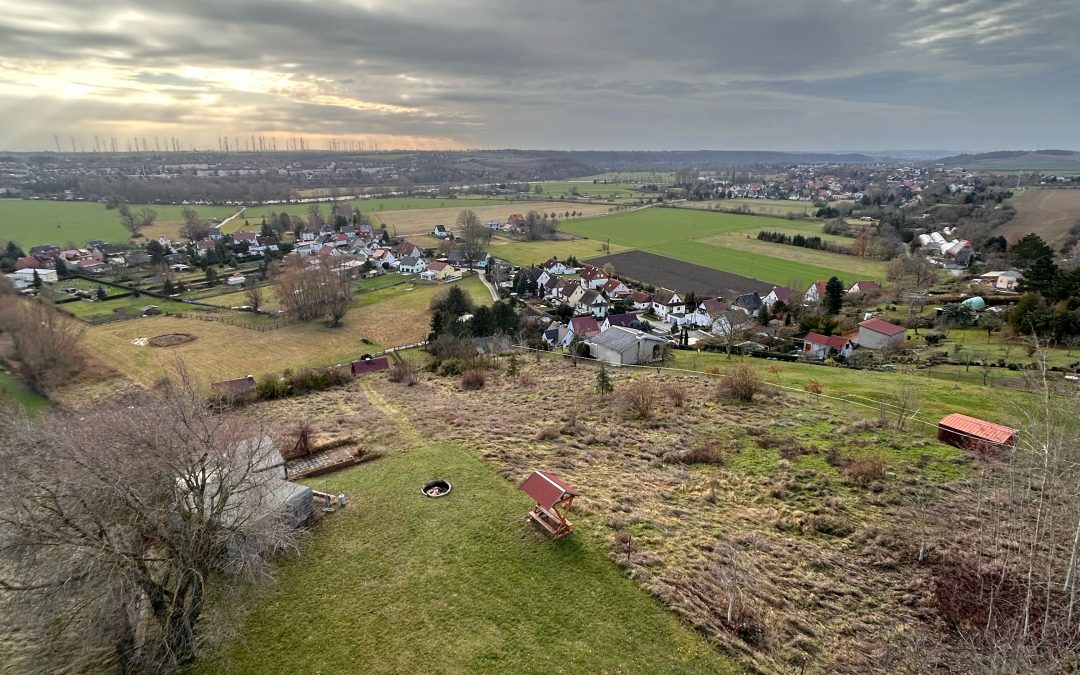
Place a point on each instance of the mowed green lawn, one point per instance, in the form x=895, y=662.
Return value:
x=695, y=236
x=400, y=583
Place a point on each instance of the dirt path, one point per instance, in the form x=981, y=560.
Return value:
x=407, y=433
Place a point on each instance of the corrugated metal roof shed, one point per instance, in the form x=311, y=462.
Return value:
x=546, y=488
x=981, y=429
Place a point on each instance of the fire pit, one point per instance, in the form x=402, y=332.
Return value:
x=436, y=488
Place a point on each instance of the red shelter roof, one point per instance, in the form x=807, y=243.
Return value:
x=546, y=488
x=972, y=426
x=882, y=326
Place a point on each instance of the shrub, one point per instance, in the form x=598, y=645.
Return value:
x=473, y=379
x=271, y=387
x=812, y=387
x=740, y=383
x=547, y=434
x=404, y=372
x=639, y=399
x=702, y=454
x=865, y=470
x=677, y=394
x=451, y=367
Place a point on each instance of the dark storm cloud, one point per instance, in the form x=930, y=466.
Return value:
x=562, y=73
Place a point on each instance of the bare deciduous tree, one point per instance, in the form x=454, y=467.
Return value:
x=115, y=520
x=45, y=343
x=474, y=236
x=193, y=224
x=313, y=291
x=253, y=294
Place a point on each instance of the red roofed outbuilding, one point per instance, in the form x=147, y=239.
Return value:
x=973, y=433
x=880, y=334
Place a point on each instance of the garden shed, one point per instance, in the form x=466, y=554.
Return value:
x=973, y=433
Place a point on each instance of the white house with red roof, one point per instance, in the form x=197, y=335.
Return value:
x=864, y=287
x=593, y=277
x=880, y=334
x=816, y=292
x=779, y=294
x=818, y=346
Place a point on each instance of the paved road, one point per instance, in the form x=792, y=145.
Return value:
x=490, y=286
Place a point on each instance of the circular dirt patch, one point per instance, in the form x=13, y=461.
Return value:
x=171, y=339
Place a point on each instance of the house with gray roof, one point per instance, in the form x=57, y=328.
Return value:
x=620, y=346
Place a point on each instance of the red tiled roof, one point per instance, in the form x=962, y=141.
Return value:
x=584, y=326
x=782, y=293
x=865, y=286
x=437, y=266
x=997, y=433
x=882, y=326
x=546, y=488
x=835, y=341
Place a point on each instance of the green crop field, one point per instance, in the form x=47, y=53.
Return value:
x=33, y=222
x=699, y=237
x=765, y=207
x=397, y=583
x=526, y=253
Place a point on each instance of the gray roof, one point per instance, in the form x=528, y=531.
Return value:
x=620, y=339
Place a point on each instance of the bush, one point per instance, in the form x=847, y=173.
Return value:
x=404, y=372
x=677, y=394
x=473, y=379
x=740, y=383
x=271, y=387
x=702, y=454
x=639, y=399
x=864, y=471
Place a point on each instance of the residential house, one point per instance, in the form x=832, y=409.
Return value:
x=441, y=232
x=1002, y=281
x=406, y=250
x=412, y=265
x=615, y=289
x=555, y=266
x=879, y=334
x=730, y=323
x=818, y=346
x=214, y=233
x=575, y=294
x=493, y=225
x=583, y=327
x=748, y=302
x=666, y=301
x=245, y=238
x=514, y=223
x=708, y=311
x=593, y=302
x=864, y=287
x=641, y=300
x=438, y=271
x=46, y=276
x=593, y=277
x=384, y=257
x=622, y=320
x=620, y=346
x=557, y=335
x=816, y=292
x=779, y=294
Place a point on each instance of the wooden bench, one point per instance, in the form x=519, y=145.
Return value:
x=550, y=520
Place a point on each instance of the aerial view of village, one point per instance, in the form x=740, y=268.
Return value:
x=372, y=337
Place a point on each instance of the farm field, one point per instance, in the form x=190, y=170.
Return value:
x=665, y=272
x=33, y=222
x=589, y=190
x=421, y=221
x=88, y=310
x=453, y=585
x=1047, y=213
x=773, y=498
x=766, y=207
x=844, y=266
x=524, y=253
x=222, y=351
x=685, y=234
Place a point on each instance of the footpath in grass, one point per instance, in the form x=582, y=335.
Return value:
x=400, y=583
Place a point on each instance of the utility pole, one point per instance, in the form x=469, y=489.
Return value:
x=56, y=139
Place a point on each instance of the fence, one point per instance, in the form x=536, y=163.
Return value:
x=239, y=323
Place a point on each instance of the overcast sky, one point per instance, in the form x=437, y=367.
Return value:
x=561, y=74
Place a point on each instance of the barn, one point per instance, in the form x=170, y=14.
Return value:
x=973, y=433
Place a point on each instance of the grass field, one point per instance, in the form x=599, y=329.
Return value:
x=1047, y=213
x=11, y=388
x=589, y=190
x=526, y=253
x=33, y=222
x=696, y=237
x=766, y=207
x=222, y=351
x=398, y=583
x=99, y=309
x=422, y=221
